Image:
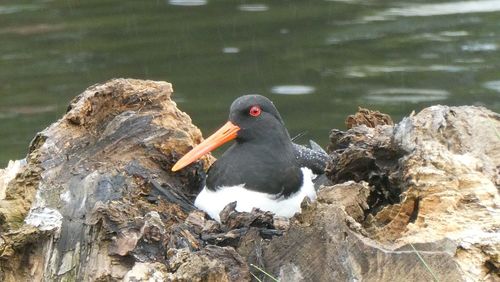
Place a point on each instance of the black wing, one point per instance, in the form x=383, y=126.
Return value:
x=314, y=159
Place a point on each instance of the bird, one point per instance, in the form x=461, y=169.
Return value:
x=262, y=169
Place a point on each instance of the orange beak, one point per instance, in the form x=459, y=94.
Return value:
x=224, y=134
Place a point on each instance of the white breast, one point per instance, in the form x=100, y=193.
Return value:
x=212, y=202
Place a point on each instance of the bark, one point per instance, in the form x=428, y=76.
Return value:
x=95, y=200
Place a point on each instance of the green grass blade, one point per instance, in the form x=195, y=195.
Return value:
x=257, y=278
x=424, y=263
x=263, y=271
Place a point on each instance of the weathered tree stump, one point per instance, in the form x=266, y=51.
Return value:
x=95, y=200
x=96, y=195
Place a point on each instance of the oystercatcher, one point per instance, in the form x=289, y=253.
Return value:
x=263, y=168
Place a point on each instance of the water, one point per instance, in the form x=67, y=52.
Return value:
x=317, y=60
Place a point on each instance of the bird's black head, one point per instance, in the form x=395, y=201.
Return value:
x=263, y=156
x=253, y=122
x=257, y=118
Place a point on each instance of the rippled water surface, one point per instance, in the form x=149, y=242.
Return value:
x=317, y=60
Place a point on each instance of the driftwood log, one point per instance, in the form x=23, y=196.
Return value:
x=95, y=200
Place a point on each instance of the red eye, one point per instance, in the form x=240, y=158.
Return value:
x=255, y=111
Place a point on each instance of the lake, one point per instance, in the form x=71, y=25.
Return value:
x=317, y=60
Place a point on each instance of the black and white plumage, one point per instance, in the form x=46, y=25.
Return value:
x=262, y=169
